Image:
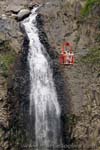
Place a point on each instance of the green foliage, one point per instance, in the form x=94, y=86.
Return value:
x=92, y=57
x=71, y=119
x=5, y=62
x=89, y=5
x=7, y=57
x=4, y=46
x=97, y=39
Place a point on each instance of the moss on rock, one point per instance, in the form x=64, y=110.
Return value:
x=88, y=6
x=5, y=63
x=92, y=57
x=7, y=57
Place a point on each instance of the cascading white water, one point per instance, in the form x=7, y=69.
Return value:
x=43, y=97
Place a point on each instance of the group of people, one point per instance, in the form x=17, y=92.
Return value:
x=67, y=56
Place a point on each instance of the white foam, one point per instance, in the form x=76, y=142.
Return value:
x=42, y=93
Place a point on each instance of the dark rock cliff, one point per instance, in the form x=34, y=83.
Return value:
x=63, y=21
x=78, y=86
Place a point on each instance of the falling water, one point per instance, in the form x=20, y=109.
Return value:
x=43, y=96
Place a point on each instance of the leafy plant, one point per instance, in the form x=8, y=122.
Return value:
x=92, y=57
x=7, y=57
x=5, y=62
x=88, y=6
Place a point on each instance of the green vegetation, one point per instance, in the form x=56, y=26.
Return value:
x=71, y=119
x=97, y=39
x=5, y=61
x=7, y=57
x=92, y=57
x=4, y=46
x=88, y=7
x=92, y=60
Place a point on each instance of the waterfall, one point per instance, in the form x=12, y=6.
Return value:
x=43, y=96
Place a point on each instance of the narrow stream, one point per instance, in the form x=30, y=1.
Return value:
x=43, y=96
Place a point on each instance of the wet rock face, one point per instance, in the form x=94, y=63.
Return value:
x=78, y=85
x=23, y=13
x=18, y=99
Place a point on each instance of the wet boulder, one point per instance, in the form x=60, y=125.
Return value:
x=23, y=14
